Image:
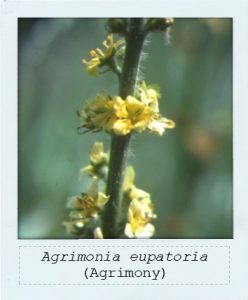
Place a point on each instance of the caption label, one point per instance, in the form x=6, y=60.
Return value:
x=106, y=265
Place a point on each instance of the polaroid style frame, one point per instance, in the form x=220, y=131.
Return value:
x=26, y=276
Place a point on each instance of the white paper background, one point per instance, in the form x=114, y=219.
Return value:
x=11, y=290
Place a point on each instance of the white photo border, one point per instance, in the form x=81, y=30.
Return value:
x=237, y=287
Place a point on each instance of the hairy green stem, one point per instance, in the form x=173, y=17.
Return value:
x=112, y=217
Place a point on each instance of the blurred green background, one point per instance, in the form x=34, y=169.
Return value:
x=188, y=171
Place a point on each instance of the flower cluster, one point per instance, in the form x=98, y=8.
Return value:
x=86, y=208
x=140, y=210
x=123, y=116
x=100, y=58
x=119, y=116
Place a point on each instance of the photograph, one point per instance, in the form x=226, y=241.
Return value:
x=125, y=128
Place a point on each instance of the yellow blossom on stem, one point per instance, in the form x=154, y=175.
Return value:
x=130, y=189
x=149, y=95
x=84, y=209
x=100, y=57
x=140, y=213
x=140, y=210
x=135, y=118
x=138, y=114
x=128, y=182
x=159, y=124
x=103, y=112
x=98, y=162
x=123, y=116
x=97, y=155
x=88, y=204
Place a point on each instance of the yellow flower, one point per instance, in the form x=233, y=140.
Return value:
x=122, y=127
x=132, y=115
x=90, y=203
x=130, y=189
x=103, y=112
x=139, y=194
x=128, y=182
x=140, y=213
x=140, y=210
x=90, y=170
x=98, y=162
x=97, y=155
x=138, y=114
x=122, y=116
x=159, y=124
x=149, y=95
x=93, y=63
x=100, y=57
x=120, y=107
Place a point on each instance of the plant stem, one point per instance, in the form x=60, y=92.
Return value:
x=119, y=144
